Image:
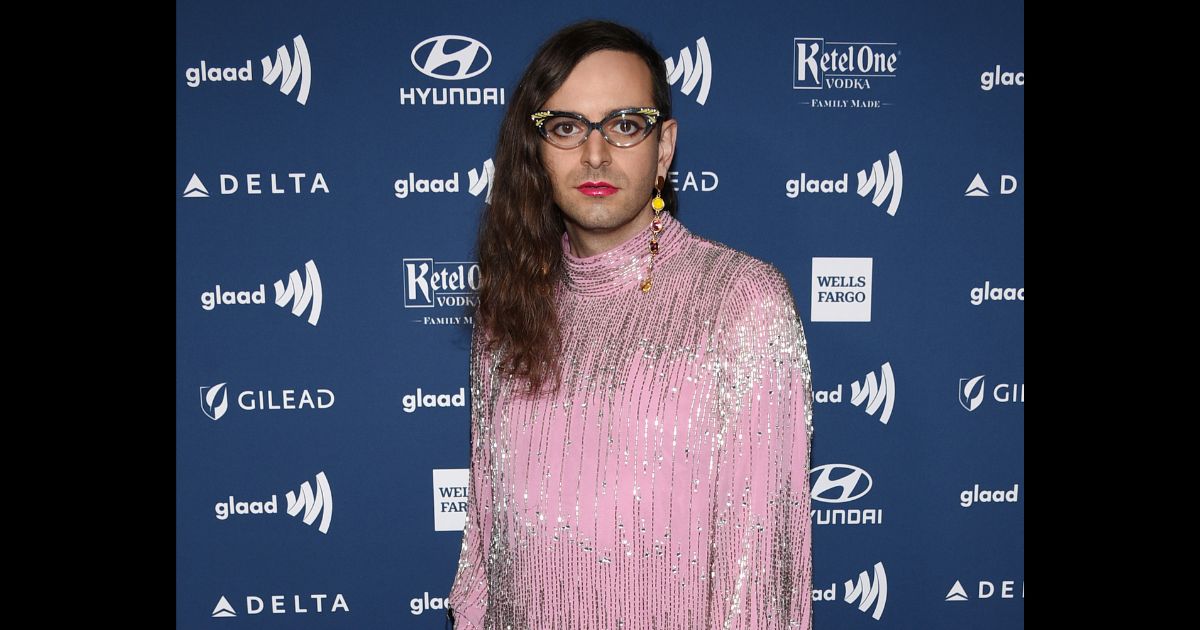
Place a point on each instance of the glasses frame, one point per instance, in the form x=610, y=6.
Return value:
x=652, y=115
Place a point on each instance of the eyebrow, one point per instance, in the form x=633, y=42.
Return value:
x=610, y=112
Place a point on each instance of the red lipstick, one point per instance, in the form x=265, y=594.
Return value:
x=597, y=189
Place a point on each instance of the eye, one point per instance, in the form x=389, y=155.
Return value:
x=627, y=125
x=564, y=128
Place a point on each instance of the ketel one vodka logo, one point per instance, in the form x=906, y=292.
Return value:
x=292, y=70
x=451, y=58
x=307, y=504
x=431, y=284
x=214, y=401
x=689, y=73
x=822, y=65
x=303, y=294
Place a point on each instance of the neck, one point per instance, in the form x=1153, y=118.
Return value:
x=589, y=242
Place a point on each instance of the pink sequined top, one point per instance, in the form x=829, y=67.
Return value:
x=666, y=484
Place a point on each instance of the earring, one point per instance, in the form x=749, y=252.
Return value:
x=655, y=227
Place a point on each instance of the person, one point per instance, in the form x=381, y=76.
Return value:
x=641, y=401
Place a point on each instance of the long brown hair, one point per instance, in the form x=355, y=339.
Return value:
x=520, y=232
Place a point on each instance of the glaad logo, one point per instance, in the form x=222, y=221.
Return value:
x=303, y=294
x=260, y=400
x=1008, y=186
x=419, y=605
x=967, y=498
x=313, y=505
x=869, y=592
x=209, y=401
x=842, y=483
x=891, y=182
x=450, y=499
x=430, y=284
x=412, y=402
x=470, y=53
x=991, y=78
x=699, y=72
x=483, y=180
x=290, y=72
x=989, y=293
x=256, y=605
x=451, y=58
x=479, y=182
x=841, y=289
x=880, y=184
x=987, y=590
x=972, y=391
x=876, y=393
x=231, y=184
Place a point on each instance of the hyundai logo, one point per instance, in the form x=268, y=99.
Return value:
x=438, y=63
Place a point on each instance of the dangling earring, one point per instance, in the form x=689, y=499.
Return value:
x=655, y=227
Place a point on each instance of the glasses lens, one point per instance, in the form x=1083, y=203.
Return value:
x=627, y=130
x=564, y=131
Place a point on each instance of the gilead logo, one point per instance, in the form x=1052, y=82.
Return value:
x=214, y=401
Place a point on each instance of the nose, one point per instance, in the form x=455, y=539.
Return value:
x=596, y=150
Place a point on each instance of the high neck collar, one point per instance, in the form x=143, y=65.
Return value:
x=624, y=266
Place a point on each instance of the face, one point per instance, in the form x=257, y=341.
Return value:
x=600, y=83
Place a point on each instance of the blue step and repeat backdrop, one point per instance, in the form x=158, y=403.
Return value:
x=330, y=173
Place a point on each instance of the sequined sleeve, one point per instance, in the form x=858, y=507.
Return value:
x=469, y=594
x=762, y=544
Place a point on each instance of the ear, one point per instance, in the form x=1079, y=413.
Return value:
x=666, y=146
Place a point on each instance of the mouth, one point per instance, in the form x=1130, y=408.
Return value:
x=597, y=189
